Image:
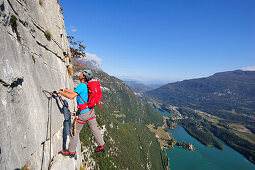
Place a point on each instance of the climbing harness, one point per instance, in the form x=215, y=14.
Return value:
x=80, y=108
x=84, y=121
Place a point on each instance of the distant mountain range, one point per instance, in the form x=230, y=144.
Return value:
x=88, y=62
x=138, y=87
x=141, y=87
x=226, y=94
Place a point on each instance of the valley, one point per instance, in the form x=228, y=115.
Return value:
x=205, y=113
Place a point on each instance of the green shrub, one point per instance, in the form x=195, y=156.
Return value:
x=24, y=167
x=48, y=35
x=13, y=23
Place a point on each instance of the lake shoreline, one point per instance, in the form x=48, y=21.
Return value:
x=197, y=138
x=205, y=157
x=205, y=127
x=175, y=162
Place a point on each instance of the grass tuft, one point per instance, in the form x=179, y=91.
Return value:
x=13, y=23
x=48, y=35
x=81, y=168
x=70, y=70
x=70, y=58
x=25, y=167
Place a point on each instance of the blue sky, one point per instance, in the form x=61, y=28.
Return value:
x=165, y=39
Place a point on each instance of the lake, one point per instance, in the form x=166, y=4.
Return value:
x=209, y=158
x=204, y=158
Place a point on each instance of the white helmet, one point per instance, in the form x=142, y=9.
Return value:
x=88, y=74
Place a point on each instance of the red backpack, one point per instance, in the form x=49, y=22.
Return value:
x=94, y=96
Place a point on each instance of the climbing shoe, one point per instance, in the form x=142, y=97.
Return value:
x=68, y=153
x=100, y=149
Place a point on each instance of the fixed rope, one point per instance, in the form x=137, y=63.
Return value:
x=50, y=111
x=50, y=122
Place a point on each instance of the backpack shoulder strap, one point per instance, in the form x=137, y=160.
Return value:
x=81, y=98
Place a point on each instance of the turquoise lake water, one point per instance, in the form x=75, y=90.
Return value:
x=204, y=158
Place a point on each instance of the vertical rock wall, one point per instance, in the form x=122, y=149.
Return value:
x=29, y=63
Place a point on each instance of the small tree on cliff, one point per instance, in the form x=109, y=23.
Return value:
x=77, y=52
x=77, y=48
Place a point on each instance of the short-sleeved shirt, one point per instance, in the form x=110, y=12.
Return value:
x=82, y=90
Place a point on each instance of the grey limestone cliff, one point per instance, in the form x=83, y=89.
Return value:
x=33, y=57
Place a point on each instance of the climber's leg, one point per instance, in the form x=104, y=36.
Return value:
x=95, y=130
x=74, y=139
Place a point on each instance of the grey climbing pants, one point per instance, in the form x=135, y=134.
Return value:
x=93, y=127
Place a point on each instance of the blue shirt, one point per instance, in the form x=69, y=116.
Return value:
x=82, y=90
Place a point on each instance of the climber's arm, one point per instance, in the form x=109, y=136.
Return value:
x=70, y=95
x=68, y=90
x=73, y=93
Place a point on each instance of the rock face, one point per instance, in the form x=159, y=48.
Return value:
x=33, y=57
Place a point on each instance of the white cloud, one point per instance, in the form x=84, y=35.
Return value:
x=252, y=68
x=93, y=57
x=73, y=29
x=92, y=61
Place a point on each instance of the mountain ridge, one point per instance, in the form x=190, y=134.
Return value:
x=225, y=90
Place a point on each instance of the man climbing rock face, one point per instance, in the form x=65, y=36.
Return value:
x=85, y=114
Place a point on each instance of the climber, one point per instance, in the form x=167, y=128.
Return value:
x=86, y=114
